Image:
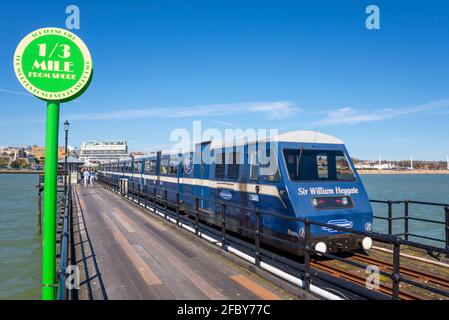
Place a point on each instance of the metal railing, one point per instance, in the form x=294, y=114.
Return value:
x=406, y=218
x=157, y=198
x=64, y=245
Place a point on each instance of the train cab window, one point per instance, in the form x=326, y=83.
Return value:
x=233, y=165
x=322, y=166
x=254, y=166
x=220, y=165
x=150, y=166
x=165, y=166
x=173, y=167
x=344, y=171
x=317, y=165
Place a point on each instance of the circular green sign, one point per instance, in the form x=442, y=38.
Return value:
x=53, y=64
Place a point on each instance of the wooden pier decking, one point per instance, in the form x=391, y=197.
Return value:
x=124, y=253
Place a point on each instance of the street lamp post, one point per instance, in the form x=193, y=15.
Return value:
x=66, y=128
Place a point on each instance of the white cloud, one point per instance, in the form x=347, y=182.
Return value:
x=274, y=110
x=351, y=116
x=15, y=92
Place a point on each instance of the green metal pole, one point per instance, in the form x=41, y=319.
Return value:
x=50, y=194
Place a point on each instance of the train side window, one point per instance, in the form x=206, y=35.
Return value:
x=268, y=166
x=187, y=164
x=165, y=166
x=322, y=166
x=219, y=165
x=150, y=166
x=173, y=169
x=233, y=165
x=254, y=166
x=137, y=166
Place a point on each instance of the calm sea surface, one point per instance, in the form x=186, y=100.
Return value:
x=430, y=188
x=20, y=252
x=20, y=243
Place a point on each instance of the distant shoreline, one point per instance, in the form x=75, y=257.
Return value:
x=403, y=172
x=20, y=171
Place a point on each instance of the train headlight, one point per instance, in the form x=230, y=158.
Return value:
x=367, y=243
x=314, y=202
x=344, y=201
x=321, y=247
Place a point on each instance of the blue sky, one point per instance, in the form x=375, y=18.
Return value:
x=290, y=65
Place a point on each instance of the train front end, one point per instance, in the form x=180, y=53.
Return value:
x=324, y=187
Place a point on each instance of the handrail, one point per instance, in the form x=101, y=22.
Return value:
x=63, y=260
x=160, y=201
x=406, y=218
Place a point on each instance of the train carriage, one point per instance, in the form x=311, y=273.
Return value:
x=303, y=174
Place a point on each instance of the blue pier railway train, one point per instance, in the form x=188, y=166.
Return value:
x=303, y=174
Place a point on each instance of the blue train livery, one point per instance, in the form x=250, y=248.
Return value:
x=303, y=174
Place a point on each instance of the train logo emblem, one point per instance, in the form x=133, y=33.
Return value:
x=253, y=197
x=343, y=223
x=188, y=164
x=225, y=195
x=368, y=226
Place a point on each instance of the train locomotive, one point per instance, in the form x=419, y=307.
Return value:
x=304, y=174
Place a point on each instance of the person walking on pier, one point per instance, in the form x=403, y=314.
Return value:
x=91, y=178
x=86, y=177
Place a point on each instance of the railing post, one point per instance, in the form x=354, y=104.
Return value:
x=307, y=254
x=145, y=193
x=446, y=228
x=196, y=215
x=39, y=211
x=406, y=219
x=134, y=191
x=177, y=208
x=257, y=238
x=390, y=218
x=165, y=203
x=396, y=275
x=223, y=225
x=154, y=198
x=138, y=193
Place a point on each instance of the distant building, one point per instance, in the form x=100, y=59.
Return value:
x=100, y=151
x=38, y=153
x=137, y=154
x=371, y=165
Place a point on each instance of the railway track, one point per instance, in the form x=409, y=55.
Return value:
x=354, y=274
x=418, y=276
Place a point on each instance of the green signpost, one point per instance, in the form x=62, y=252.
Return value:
x=54, y=65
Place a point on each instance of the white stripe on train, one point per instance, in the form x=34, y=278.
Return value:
x=215, y=184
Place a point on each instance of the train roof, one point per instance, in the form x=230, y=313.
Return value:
x=304, y=136
x=298, y=136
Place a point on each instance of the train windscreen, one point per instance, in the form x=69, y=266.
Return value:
x=317, y=165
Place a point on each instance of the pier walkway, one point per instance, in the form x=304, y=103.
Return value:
x=123, y=252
